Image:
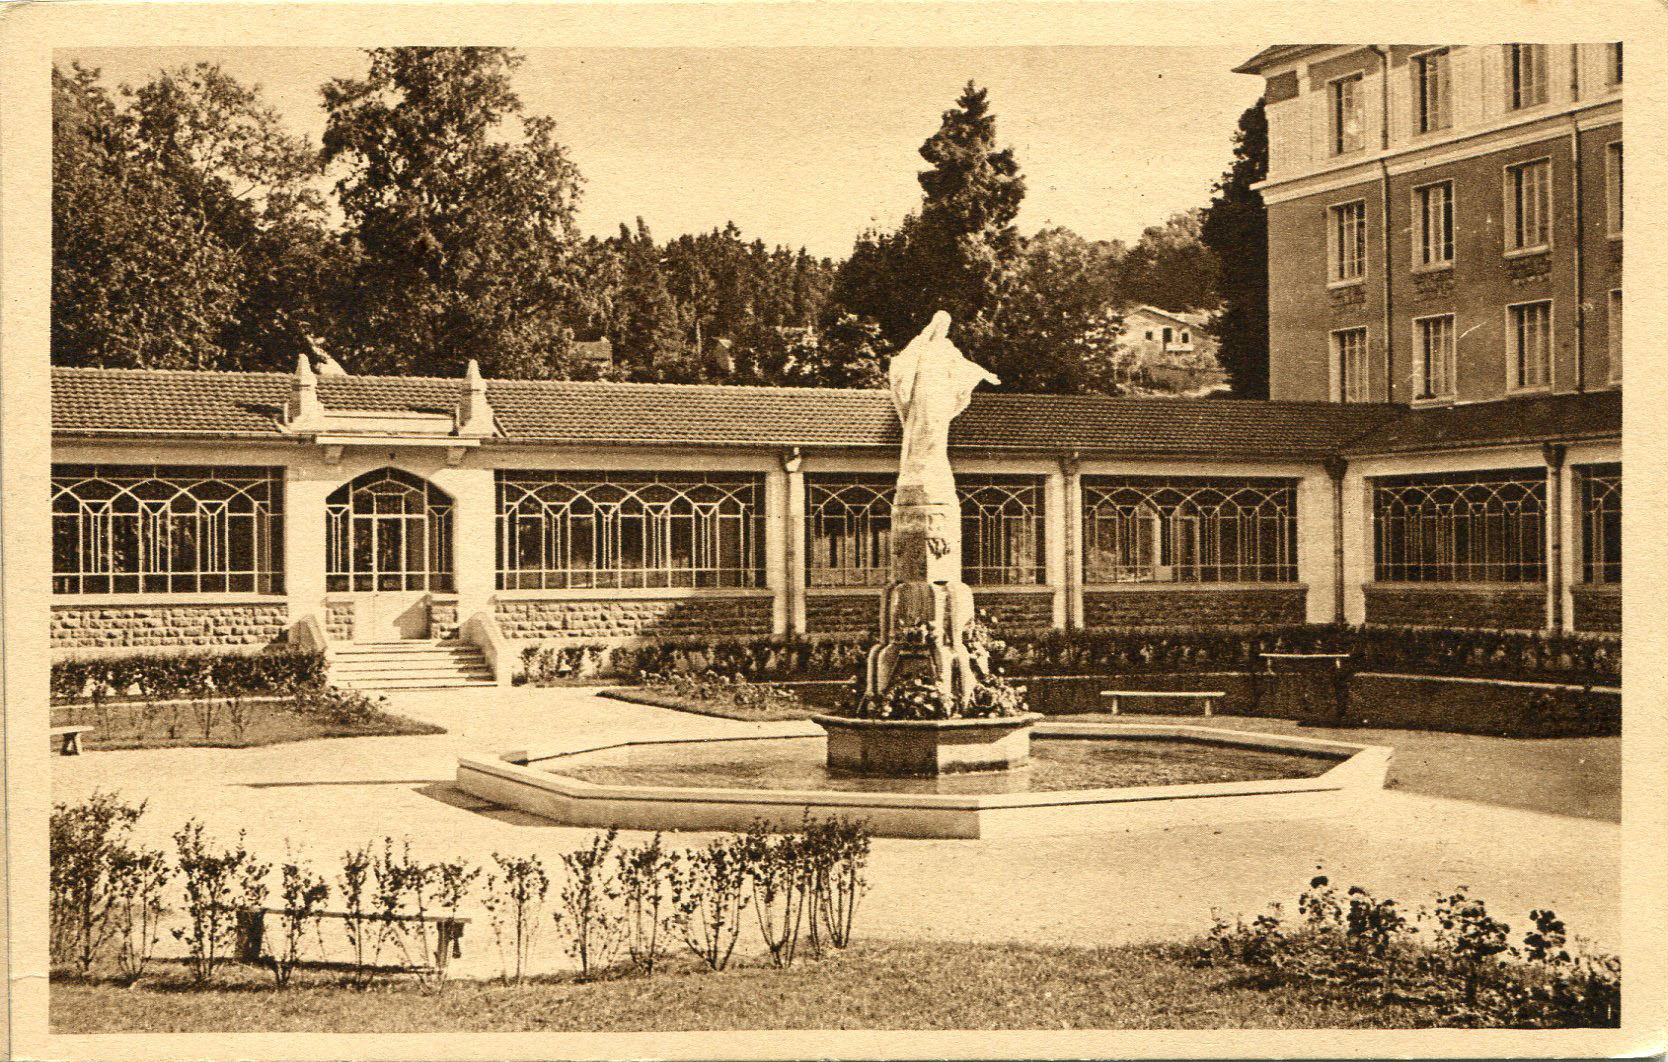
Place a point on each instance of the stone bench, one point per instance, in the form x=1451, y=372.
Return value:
x=251, y=931
x=1206, y=697
x=72, y=738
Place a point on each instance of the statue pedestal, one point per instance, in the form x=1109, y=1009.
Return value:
x=892, y=747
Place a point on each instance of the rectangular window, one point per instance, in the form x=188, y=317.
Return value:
x=132, y=529
x=1601, y=523
x=1530, y=339
x=1144, y=529
x=1613, y=66
x=1433, y=225
x=1347, y=241
x=1525, y=75
x=576, y=530
x=1350, y=355
x=1433, y=347
x=1468, y=527
x=1613, y=338
x=1613, y=188
x=1347, y=110
x=1529, y=205
x=1430, y=91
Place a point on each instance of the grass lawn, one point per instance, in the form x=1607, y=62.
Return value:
x=137, y=725
x=723, y=708
x=873, y=985
x=1561, y=776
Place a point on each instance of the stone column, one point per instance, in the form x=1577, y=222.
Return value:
x=1073, y=516
x=1056, y=548
x=306, y=486
x=474, y=494
x=1555, y=505
x=785, y=544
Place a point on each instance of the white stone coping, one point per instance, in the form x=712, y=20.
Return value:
x=159, y=599
x=1191, y=588
x=636, y=593
x=1362, y=768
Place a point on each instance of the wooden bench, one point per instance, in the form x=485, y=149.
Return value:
x=72, y=738
x=1336, y=658
x=1206, y=697
x=251, y=931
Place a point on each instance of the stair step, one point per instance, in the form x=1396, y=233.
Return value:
x=407, y=658
x=415, y=683
x=414, y=672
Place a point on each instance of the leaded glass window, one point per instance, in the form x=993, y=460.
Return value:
x=1479, y=527
x=1601, y=523
x=1144, y=529
x=583, y=530
x=388, y=530
x=130, y=529
x=848, y=530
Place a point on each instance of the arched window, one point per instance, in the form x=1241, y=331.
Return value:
x=129, y=529
x=561, y=530
x=1154, y=529
x=1478, y=527
x=1001, y=530
x=388, y=530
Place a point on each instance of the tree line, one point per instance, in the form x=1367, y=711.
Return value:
x=436, y=222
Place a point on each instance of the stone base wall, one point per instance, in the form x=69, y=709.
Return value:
x=601, y=620
x=338, y=621
x=1479, y=606
x=171, y=626
x=1011, y=611
x=842, y=613
x=1200, y=607
x=443, y=619
x=1598, y=608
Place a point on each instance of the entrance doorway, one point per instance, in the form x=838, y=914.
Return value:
x=389, y=543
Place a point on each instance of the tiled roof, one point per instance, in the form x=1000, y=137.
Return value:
x=218, y=404
x=1536, y=419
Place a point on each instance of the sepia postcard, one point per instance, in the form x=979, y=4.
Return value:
x=851, y=530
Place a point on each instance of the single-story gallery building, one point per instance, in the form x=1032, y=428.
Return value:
x=235, y=510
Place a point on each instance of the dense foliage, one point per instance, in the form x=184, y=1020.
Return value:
x=1236, y=229
x=158, y=676
x=436, y=222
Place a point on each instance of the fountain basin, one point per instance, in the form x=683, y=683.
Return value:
x=927, y=746
x=532, y=781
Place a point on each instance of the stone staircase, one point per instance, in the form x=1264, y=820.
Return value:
x=408, y=665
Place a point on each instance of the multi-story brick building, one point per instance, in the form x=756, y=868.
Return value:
x=1448, y=219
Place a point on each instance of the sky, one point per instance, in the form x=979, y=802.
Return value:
x=810, y=146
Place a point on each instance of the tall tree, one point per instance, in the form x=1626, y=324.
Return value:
x=647, y=334
x=1056, y=330
x=1170, y=267
x=251, y=183
x=462, y=222
x=140, y=277
x=955, y=253
x=1236, y=227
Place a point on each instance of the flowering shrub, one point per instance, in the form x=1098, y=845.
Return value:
x=710, y=687
x=162, y=676
x=1467, y=971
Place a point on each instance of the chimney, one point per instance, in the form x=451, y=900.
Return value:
x=474, y=416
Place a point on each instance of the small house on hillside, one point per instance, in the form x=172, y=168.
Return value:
x=1172, y=351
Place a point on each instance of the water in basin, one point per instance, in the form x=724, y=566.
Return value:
x=1057, y=764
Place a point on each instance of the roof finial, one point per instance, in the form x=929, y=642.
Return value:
x=474, y=415
x=304, y=412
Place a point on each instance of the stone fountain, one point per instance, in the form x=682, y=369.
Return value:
x=929, y=703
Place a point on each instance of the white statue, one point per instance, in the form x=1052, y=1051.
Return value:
x=931, y=383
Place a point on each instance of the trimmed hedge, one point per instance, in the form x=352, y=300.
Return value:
x=164, y=676
x=1576, y=659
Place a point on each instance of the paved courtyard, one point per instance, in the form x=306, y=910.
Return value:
x=323, y=797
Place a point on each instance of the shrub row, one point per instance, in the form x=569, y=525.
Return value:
x=612, y=903
x=1454, y=957
x=163, y=676
x=1577, y=659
